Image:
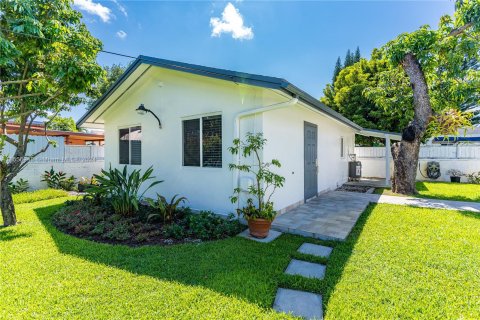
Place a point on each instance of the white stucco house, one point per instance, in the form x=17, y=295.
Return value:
x=200, y=111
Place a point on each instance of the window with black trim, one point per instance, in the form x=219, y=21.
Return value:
x=202, y=142
x=130, y=145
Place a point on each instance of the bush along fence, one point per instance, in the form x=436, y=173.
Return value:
x=462, y=157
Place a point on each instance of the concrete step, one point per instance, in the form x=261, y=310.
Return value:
x=306, y=269
x=299, y=303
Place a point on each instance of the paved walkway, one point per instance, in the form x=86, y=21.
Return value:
x=303, y=304
x=331, y=216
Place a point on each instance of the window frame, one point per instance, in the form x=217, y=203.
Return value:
x=129, y=127
x=200, y=118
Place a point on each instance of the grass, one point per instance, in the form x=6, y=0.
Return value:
x=442, y=190
x=407, y=263
x=38, y=195
x=47, y=274
x=398, y=262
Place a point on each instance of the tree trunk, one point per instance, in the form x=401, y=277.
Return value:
x=405, y=153
x=6, y=205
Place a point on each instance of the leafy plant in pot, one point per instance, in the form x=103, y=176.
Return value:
x=259, y=210
x=455, y=175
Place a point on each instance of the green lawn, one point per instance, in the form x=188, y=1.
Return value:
x=47, y=274
x=399, y=262
x=443, y=190
x=408, y=263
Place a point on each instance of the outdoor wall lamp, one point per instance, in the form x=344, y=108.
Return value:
x=142, y=110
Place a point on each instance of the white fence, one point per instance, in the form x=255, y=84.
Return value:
x=59, y=152
x=427, y=152
x=79, y=161
x=465, y=158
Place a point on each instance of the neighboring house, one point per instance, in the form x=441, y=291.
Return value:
x=202, y=110
x=70, y=138
x=465, y=136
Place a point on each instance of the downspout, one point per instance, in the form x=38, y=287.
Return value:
x=247, y=113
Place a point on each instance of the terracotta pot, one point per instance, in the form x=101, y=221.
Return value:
x=259, y=228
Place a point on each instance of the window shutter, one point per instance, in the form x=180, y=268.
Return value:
x=136, y=145
x=123, y=146
x=212, y=141
x=191, y=142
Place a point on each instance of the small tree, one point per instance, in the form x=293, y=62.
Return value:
x=266, y=181
x=47, y=58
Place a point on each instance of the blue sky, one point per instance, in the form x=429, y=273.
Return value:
x=296, y=40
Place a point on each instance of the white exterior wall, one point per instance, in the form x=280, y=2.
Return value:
x=284, y=129
x=183, y=96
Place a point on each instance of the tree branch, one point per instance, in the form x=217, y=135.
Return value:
x=2, y=83
x=458, y=31
x=21, y=96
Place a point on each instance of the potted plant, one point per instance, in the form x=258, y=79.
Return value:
x=258, y=210
x=455, y=175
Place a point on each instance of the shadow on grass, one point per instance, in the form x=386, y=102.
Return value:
x=341, y=255
x=10, y=234
x=235, y=266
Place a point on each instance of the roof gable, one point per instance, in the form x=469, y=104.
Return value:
x=223, y=74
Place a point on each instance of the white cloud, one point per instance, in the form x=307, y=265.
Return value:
x=94, y=8
x=121, y=8
x=121, y=34
x=231, y=22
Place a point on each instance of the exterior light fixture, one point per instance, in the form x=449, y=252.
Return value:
x=142, y=110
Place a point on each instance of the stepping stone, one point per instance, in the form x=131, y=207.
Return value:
x=315, y=250
x=299, y=303
x=272, y=235
x=306, y=269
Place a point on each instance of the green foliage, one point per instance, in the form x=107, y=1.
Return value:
x=21, y=185
x=338, y=68
x=266, y=181
x=122, y=188
x=54, y=179
x=447, y=57
x=47, y=60
x=63, y=124
x=167, y=211
x=372, y=94
x=58, y=180
x=38, y=195
x=110, y=75
x=474, y=178
x=208, y=226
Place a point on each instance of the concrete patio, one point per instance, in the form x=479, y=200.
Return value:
x=332, y=215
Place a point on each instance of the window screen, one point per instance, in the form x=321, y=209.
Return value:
x=202, y=142
x=341, y=148
x=191, y=142
x=136, y=145
x=130, y=146
x=212, y=141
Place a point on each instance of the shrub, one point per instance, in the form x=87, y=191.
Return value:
x=21, y=185
x=167, y=211
x=54, y=179
x=174, y=231
x=474, y=177
x=455, y=173
x=121, y=188
x=208, y=226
